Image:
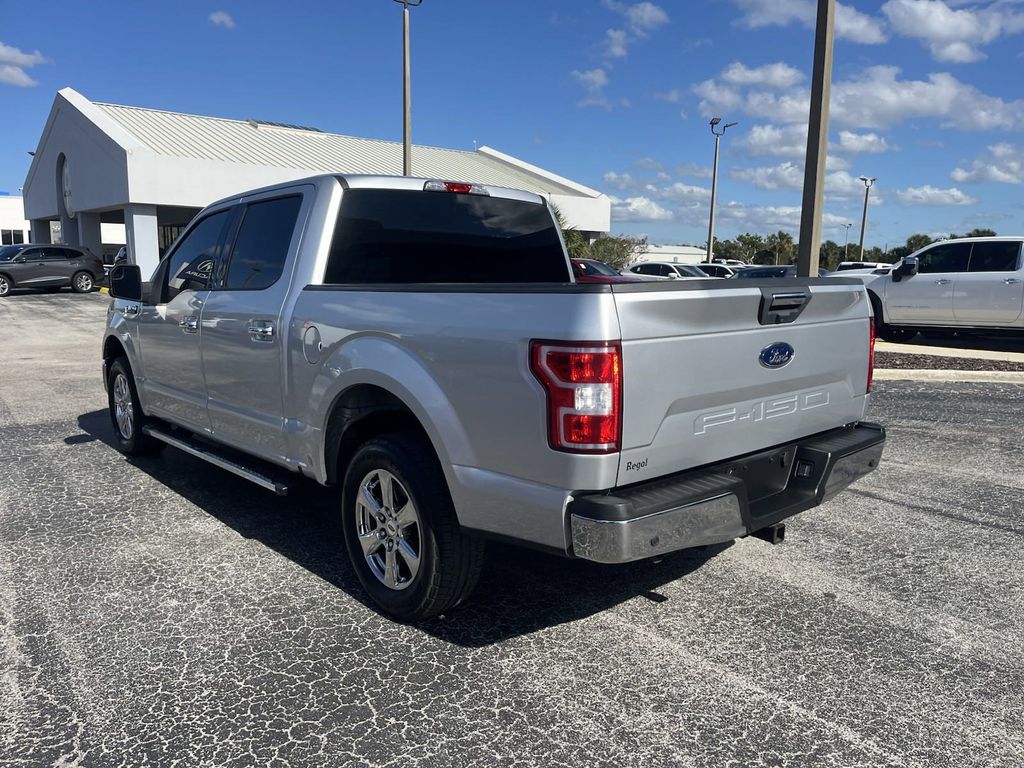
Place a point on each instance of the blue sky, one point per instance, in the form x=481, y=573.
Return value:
x=611, y=93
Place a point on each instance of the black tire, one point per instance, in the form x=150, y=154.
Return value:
x=449, y=561
x=83, y=282
x=5, y=285
x=129, y=435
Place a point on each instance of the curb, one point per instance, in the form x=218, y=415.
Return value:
x=963, y=353
x=917, y=374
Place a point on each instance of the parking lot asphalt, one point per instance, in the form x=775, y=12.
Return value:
x=161, y=612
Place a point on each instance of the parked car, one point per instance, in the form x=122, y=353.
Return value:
x=779, y=270
x=730, y=262
x=668, y=270
x=845, y=265
x=594, y=271
x=389, y=351
x=32, y=265
x=962, y=284
x=717, y=270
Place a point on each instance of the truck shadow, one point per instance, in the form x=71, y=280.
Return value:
x=520, y=591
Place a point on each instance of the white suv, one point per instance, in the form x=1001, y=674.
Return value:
x=668, y=270
x=971, y=282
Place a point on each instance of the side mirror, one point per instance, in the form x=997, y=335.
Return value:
x=126, y=282
x=18, y=260
x=907, y=268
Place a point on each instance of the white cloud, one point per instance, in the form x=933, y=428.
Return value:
x=876, y=98
x=620, y=181
x=1002, y=163
x=639, y=209
x=777, y=75
x=14, y=62
x=861, y=143
x=594, y=82
x=775, y=140
x=694, y=171
x=951, y=34
x=933, y=196
x=755, y=218
x=851, y=24
x=672, y=97
x=222, y=19
x=680, y=193
x=615, y=40
x=839, y=185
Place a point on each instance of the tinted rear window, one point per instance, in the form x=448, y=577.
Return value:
x=994, y=257
x=401, y=236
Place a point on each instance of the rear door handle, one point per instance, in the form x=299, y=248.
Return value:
x=189, y=324
x=942, y=281
x=261, y=330
x=1011, y=281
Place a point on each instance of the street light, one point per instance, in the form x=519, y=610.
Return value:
x=406, y=90
x=714, y=184
x=846, y=245
x=864, y=217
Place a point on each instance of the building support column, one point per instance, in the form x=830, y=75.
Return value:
x=39, y=231
x=140, y=230
x=89, y=236
x=68, y=230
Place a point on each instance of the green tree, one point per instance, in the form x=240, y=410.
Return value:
x=830, y=254
x=750, y=245
x=918, y=241
x=781, y=244
x=619, y=251
x=981, y=232
x=575, y=243
x=728, y=249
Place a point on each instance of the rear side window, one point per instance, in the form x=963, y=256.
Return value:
x=948, y=257
x=261, y=247
x=191, y=263
x=408, y=236
x=995, y=257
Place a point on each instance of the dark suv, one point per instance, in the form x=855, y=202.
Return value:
x=48, y=266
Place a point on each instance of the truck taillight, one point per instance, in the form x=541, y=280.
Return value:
x=871, y=352
x=584, y=387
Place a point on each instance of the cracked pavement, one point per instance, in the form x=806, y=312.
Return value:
x=162, y=612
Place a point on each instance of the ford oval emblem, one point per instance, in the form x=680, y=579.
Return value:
x=776, y=355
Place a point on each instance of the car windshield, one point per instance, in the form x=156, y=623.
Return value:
x=8, y=252
x=595, y=268
x=690, y=271
x=748, y=274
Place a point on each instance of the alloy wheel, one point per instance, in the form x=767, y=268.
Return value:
x=83, y=283
x=389, y=529
x=123, y=413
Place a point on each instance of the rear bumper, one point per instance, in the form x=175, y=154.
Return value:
x=724, y=501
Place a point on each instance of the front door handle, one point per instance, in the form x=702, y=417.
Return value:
x=943, y=281
x=1011, y=281
x=189, y=324
x=261, y=330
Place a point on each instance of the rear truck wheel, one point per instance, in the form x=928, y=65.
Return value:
x=5, y=285
x=401, y=531
x=82, y=282
x=126, y=414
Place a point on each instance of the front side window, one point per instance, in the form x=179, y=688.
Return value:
x=405, y=236
x=191, y=263
x=946, y=257
x=261, y=247
x=995, y=256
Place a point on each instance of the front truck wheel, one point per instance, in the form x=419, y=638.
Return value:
x=401, y=531
x=126, y=414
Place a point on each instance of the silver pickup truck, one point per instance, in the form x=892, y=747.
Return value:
x=422, y=346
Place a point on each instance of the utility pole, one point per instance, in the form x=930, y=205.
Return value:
x=864, y=217
x=846, y=245
x=406, y=90
x=714, y=186
x=817, y=141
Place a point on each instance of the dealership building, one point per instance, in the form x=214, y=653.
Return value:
x=152, y=171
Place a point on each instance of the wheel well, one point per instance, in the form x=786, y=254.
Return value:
x=112, y=349
x=876, y=307
x=359, y=414
x=9, y=278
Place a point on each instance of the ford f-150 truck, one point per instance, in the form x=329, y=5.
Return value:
x=361, y=331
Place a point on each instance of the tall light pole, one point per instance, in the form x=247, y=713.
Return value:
x=714, y=185
x=817, y=141
x=846, y=245
x=864, y=217
x=406, y=90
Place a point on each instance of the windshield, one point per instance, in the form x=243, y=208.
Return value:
x=595, y=268
x=690, y=271
x=8, y=252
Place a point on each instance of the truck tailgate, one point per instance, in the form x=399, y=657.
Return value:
x=695, y=389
